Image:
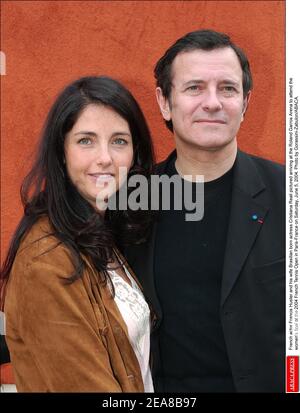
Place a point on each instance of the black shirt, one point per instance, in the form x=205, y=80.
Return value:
x=188, y=275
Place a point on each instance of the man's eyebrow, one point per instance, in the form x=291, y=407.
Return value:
x=230, y=82
x=200, y=81
x=193, y=82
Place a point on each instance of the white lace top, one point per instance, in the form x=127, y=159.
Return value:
x=136, y=314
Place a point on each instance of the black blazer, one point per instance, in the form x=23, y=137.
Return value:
x=252, y=307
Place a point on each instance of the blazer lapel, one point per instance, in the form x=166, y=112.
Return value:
x=246, y=219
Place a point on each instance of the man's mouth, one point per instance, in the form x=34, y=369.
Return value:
x=218, y=121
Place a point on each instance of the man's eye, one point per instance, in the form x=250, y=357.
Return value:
x=229, y=89
x=85, y=141
x=194, y=88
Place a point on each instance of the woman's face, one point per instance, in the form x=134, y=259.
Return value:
x=96, y=147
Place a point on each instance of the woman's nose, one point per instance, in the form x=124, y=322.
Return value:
x=103, y=155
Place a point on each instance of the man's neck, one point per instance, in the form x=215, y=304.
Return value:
x=211, y=164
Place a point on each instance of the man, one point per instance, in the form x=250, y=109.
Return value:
x=217, y=285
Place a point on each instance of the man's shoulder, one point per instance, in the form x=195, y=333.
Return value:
x=266, y=163
x=254, y=172
x=266, y=167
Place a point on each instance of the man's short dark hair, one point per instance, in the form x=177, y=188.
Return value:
x=204, y=40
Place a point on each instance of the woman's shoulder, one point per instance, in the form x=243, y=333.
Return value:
x=40, y=241
x=42, y=260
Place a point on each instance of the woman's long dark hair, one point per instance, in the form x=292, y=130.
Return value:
x=47, y=190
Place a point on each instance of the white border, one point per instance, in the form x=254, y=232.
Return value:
x=292, y=72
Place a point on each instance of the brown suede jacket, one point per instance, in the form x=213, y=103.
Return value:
x=64, y=337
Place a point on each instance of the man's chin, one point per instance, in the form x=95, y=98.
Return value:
x=213, y=144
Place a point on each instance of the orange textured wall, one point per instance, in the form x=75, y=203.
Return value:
x=50, y=43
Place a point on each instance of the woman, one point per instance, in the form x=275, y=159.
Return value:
x=76, y=320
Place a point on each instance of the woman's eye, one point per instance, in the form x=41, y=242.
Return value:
x=85, y=141
x=120, y=141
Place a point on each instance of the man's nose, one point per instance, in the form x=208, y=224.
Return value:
x=211, y=101
x=103, y=155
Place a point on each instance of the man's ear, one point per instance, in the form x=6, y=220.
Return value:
x=163, y=104
x=246, y=103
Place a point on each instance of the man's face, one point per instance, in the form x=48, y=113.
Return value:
x=206, y=104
